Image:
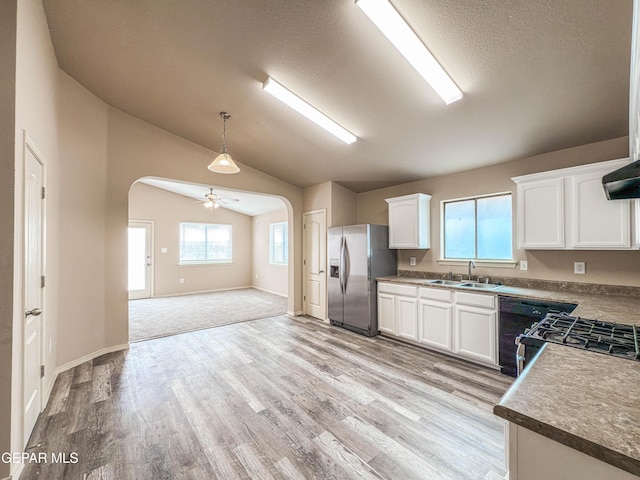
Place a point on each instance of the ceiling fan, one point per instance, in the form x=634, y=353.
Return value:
x=213, y=200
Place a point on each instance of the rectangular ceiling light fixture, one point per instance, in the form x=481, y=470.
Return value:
x=389, y=21
x=302, y=107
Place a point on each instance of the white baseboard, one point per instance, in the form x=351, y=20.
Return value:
x=295, y=314
x=180, y=294
x=89, y=356
x=270, y=291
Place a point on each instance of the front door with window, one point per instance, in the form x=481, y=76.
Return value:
x=140, y=264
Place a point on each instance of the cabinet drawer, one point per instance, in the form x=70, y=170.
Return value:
x=476, y=299
x=397, y=289
x=436, y=294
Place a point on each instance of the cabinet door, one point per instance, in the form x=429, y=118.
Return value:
x=403, y=224
x=434, y=325
x=597, y=223
x=475, y=332
x=409, y=221
x=541, y=214
x=386, y=313
x=407, y=317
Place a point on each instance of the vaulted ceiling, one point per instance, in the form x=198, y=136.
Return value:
x=537, y=76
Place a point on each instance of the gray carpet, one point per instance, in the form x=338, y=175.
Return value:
x=159, y=317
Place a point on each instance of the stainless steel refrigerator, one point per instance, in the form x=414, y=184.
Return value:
x=358, y=254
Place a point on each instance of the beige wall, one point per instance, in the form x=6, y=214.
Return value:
x=80, y=257
x=272, y=278
x=343, y=206
x=8, y=22
x=167, y=210
x=339, y=202
x=612, y=267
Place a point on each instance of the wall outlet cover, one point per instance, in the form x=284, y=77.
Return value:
x=579, y=268
x=182, y=280
x=164, y=250
x=524, y=265
x=412, y=261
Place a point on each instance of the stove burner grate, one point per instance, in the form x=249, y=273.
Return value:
x=604, y=337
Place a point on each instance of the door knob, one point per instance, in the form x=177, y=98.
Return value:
x=35, y=312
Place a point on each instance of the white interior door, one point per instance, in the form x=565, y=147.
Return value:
x=33, y=290
x=140, y=259
x=315, y=260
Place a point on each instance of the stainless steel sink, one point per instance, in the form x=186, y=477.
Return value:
x=484, y=286
x=455, y=283
x=464, y=283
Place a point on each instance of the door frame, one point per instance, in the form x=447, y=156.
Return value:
x=322, y=211
x=150, y=224
x=30, y=146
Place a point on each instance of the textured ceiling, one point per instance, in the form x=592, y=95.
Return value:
x=242, y=202
x=537, y=75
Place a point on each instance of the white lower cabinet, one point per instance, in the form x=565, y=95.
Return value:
x=435, y=318
x=462, y=323
x=525, y=448
x=475, y=327
x=398, y=310
x=407, y=317
x=386, y=313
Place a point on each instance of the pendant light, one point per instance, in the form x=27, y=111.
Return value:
x=223, y=163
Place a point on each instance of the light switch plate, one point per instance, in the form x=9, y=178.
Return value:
x=164, y=250
x=579, y=268
x=524, y=265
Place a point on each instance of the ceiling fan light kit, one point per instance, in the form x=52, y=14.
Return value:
x=402, y=36
x=223, y=163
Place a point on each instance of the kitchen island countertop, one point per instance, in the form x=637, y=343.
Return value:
x=585, y=400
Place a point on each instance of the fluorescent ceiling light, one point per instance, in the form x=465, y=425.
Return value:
x=302, y=107
x=389, y=21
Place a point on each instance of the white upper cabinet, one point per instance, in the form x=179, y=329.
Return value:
x=541, y=205
x=567, y=209
x=409, y=221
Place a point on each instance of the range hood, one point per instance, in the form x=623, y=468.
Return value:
x=623, y=182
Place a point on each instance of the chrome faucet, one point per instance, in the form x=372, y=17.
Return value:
x=472, y=264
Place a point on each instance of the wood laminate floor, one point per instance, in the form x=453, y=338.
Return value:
x=276, y=398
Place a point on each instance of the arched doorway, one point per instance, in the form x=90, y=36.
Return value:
x=217, y=256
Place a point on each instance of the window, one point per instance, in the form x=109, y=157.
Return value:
x=478, y=228
x=279, y=243
x=205, y=243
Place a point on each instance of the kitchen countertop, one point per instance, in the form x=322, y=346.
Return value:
x=609, y=308
x=585, y=400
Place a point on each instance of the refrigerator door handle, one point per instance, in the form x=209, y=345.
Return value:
x=343, y=265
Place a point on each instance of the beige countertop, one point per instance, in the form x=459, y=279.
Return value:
x=587, y=401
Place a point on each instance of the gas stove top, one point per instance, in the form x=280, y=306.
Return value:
x=603, y=337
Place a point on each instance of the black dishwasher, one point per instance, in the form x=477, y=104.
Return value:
x=516, y=315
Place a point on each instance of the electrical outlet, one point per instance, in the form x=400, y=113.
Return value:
x=524, y=265
x=579, y=268
x=182, y=280
x=412, y=261
x=164, y=250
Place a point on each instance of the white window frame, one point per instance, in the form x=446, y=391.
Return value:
x=507, y=263
x=207, y=262
x=285, y=246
